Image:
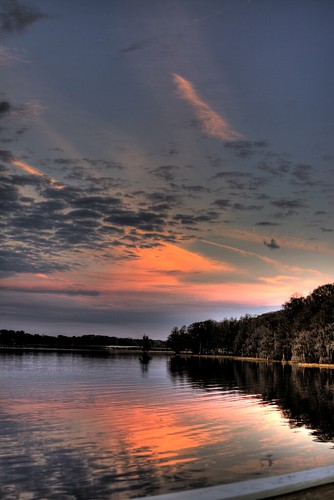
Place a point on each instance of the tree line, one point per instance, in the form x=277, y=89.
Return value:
x=22, y=339
x=302, y=331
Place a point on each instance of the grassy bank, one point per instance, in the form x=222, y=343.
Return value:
x=262, y=360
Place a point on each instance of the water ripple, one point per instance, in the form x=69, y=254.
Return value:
x=76, y=427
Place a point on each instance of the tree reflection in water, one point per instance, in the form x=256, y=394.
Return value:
x=304, y=395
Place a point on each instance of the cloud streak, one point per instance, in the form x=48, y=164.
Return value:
x=51, y=291
x=211, y=122
x=34, y=171
x=267, y=260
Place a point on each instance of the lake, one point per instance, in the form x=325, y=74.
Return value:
x=80, y=426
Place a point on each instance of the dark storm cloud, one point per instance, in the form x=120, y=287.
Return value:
x=104, y=163
x=6, y=156
x=193, y=220
x=185, y=220
x=48, y=229
x=76, y=236
x=9, y=197
x=162, y=208
x=30, y=180
x=246, y=149
x=272, y=244
x=69, y=219
x=68, y=162
x=195, y=188
x=279, y=169
x=302, y=173
x=267, y=223
x=83, y=213
x=165, y=172
x=34, y=219
x=78, y=174
x=162, y=201
x=140, y=219
x=27, y=261
x=17, y=16
x=68, y=194
x=170, y=152
x=222, y=203
x=101, y=204
x=230, y=174
x=240, y=181
x=210, y=216
x=36, y=233
x=164, y=41
x=283, y=215
x=65, y=161
x=242, y=207
x=215, y=161
x=49, y=206
x=21, y=130
x=135, y=46
x=285, y=203
x=261, y=144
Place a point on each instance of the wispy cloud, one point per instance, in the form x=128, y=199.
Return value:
x=8, y=55
x=16, y=17
x=33, y=171
x=51, y=291
x=240, y=251
x=211, y=122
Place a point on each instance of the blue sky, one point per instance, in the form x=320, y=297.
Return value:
x=162, y=162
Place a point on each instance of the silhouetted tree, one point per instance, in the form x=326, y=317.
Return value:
x=146, y=343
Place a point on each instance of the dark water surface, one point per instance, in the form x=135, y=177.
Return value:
x=75, y=426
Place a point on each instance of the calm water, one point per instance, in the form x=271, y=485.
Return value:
x=94, y=427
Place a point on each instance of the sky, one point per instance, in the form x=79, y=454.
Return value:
x=162, y=163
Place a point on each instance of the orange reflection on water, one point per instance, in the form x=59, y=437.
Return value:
x=121, y=434
x=160, y=432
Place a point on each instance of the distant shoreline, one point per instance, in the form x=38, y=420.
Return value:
x=92, y=349
x=125, y=350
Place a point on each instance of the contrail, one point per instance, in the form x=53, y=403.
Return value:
x=279, y=265
x=267, y=260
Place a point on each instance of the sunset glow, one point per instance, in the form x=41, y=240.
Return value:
x=164, y=167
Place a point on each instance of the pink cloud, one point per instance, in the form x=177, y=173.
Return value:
x=212, y=123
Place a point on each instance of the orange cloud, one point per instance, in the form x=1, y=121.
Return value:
x=34, y=171
x=212, y=123
x=171, y=260
x=170, y=275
